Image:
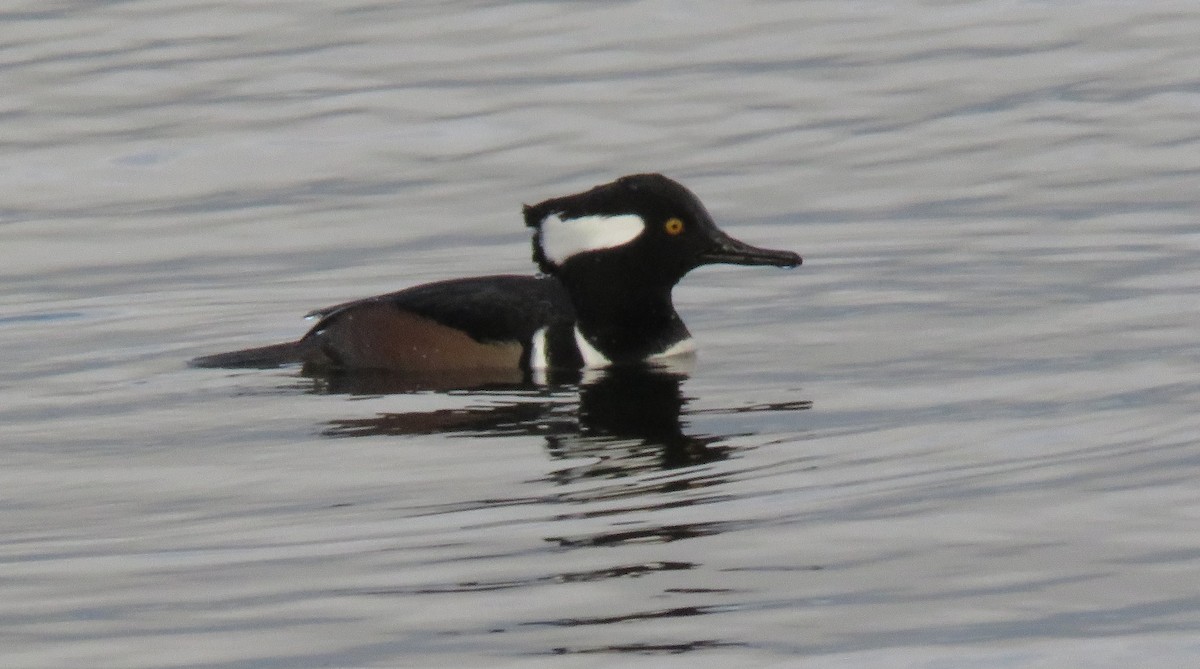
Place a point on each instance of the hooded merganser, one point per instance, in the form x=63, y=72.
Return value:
x=609, y=258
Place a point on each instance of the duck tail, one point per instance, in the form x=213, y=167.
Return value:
x=261, y=357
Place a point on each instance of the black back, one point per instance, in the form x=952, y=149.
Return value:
x=488, y=308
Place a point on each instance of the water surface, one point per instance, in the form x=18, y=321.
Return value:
x=962, y=434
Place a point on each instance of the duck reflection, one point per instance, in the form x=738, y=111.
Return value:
x=630, y=421
x=614, y=423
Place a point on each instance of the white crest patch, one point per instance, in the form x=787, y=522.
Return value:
x=563, y=238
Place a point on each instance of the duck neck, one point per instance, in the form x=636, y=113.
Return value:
x=626, y=323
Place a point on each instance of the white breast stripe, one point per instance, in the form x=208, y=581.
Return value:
x=685, y=346
x=591, y=357
x=563, y=238
x=538, y=358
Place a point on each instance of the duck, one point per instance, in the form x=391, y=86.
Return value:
x=607, y=259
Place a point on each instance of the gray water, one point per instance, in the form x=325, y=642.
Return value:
x=963, y=434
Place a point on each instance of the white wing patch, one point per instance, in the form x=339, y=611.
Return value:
x=563, y=238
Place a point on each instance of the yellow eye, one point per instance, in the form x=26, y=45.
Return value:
x=673, y=226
